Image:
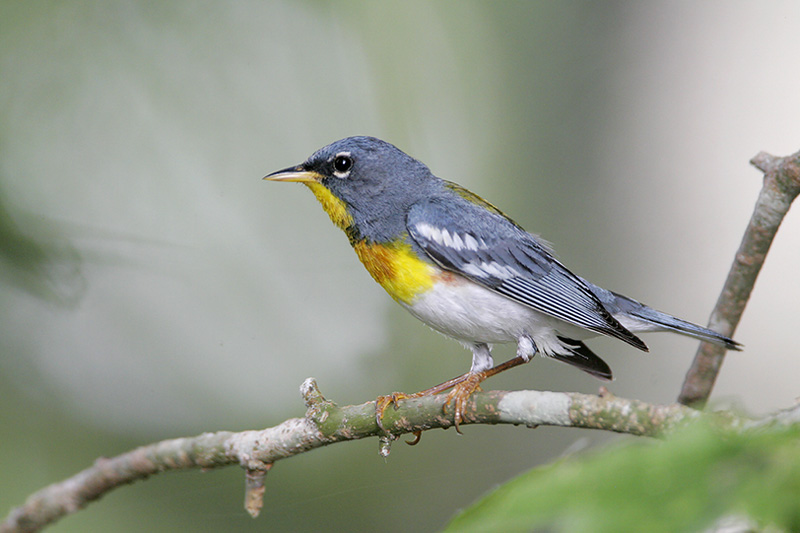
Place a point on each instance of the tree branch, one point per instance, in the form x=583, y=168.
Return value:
x=326, y=423
x=781, y=187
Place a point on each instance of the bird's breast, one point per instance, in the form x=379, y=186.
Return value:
x=397, y=269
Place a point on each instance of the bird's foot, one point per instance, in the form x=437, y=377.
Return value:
x=383, y=402
x=461, y=393
x=462, y=387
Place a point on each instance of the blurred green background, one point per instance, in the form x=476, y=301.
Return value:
x=153, y=286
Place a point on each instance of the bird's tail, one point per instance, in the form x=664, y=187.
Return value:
x=582, y=357
x=659, y=321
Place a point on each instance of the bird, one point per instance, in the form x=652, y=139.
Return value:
x=463, y=267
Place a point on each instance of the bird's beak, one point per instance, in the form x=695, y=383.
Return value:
x=297, y=173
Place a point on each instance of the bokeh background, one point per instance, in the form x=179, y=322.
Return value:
x=153, y=286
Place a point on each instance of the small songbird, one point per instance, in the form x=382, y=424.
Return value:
x=465, y=269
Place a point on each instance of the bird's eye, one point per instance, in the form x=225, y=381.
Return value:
x=342, y=164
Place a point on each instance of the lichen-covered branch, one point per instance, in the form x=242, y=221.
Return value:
x=781, y=187
x=326, y=423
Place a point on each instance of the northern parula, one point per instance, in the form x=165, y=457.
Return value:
x=464, y=268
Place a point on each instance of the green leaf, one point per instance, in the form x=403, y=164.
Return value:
x=686, y=483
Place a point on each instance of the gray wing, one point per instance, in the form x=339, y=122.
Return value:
x=485, y=246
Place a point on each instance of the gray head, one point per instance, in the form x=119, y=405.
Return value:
x=375, y=181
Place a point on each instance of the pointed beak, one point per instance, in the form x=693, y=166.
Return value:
x=297, y=173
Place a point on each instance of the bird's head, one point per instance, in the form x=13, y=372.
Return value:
x=363, y=182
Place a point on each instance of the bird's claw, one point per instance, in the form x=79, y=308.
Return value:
x=460, y=395
x=383, y=402
x=461, y=389
x=417, y=437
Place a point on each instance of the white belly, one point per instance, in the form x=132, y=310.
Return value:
x=472, y=314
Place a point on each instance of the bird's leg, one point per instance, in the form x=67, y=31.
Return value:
x=464, y=385
x=481, y=360
x=470, y=382
x=383, y=402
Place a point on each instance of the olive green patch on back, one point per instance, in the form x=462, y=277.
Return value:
x=396, y=268
x=475, y=199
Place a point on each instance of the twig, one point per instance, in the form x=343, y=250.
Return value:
x=781, y=187
x=326, y=423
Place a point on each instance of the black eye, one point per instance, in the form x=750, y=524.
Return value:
x=342, y=164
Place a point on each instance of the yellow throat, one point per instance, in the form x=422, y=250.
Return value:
x=332, y=205
x=394, y=265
